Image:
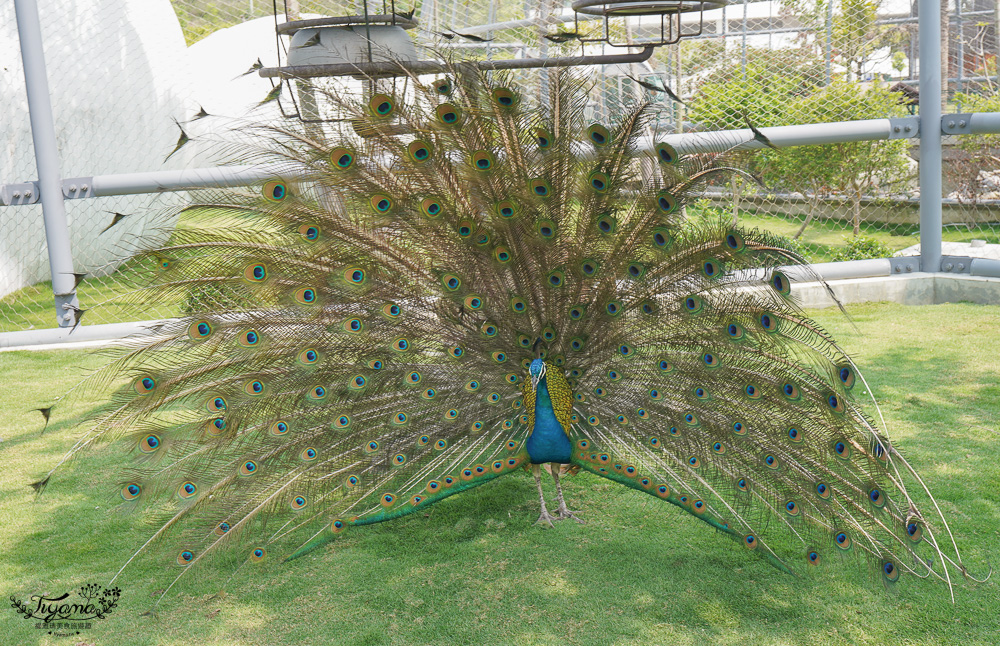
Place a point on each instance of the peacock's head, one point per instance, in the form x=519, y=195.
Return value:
x=536, y=371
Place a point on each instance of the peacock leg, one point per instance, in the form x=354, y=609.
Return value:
x=562, y=512
x=536, y=470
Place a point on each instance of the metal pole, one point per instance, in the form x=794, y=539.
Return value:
x=544, y=8
x=829, y=41
x=960, y=44
x=996, y=39
x=743, y=56
x=930, y=134
x=43, y=135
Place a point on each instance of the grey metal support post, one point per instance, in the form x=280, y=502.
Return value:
x=930, y=135
x=828, y=54
x=43, y=135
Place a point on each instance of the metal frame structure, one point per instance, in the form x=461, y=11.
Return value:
x=51, y=190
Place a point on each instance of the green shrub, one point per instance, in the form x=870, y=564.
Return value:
x=863, y=248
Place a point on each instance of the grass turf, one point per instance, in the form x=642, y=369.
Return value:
x=474, y=570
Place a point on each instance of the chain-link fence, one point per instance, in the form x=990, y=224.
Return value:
x=123, y=71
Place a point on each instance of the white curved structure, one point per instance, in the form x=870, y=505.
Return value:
x=118, y=76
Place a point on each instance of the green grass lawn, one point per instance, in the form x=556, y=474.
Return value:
x=474, y=570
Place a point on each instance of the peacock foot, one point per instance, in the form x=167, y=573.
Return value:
x=546, y=519
x=562, y=513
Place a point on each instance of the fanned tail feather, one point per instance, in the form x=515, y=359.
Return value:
x=359, y=331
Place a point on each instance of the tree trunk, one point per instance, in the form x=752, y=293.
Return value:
x=856, y=198
x=735, y=184
x=813, y=207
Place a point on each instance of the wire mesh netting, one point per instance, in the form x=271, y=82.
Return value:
x=123, y=71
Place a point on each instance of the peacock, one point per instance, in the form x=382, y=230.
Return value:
x=455, y=282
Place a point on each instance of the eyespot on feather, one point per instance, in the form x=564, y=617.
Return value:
x=823, y=490
x=215, y=427
x=770, y=322
x=483, y=160
x=355, y=276
x=539, y=187
x=504, y=97
x=419, y=151
x=847, y=376
x=432, y=207
x=249, y=338
x=666, y=202
x=712, y=268
x=506, y=209
x=381, y=105
x=451, y=282
x=590, y=267
x=187, y=490
x=448, y=114
x=662, y=238
x=791, y=392
x=442, y=86
x=150, y=444
x=598, y=135
x=310, y=232
x=199, y=330
x=144, y=385
x=734, y=240
x=308, y=356
x=274, y=191
x=256, y=272
x=543, y=138
x=841, y=448
x=131, y=491
x=381, y=203
x=306, y=296
x=780, y=283
x=666, y=153
x=835, y=402
x=693, y=304
x=599, y=181
x=890, y=571
x=342, y=158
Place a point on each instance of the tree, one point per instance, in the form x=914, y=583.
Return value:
x=775, y=96
x=854, y=169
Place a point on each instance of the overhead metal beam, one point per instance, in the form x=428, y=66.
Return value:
x=404, y=68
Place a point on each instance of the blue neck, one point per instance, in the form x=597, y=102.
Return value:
x=547, y=441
